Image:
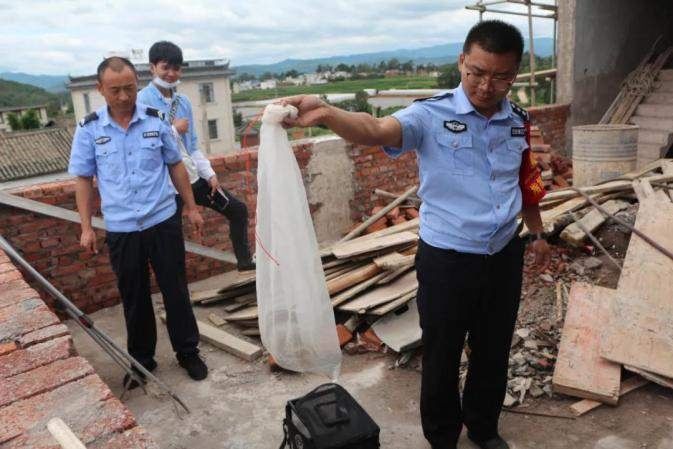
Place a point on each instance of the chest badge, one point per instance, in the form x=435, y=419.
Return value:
x=103, y=140
x=455, y=126
x=518, y=131
x=148, y=134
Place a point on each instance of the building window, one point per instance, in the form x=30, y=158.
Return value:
x=212, y=129
x=87, y=104
x=207, y=93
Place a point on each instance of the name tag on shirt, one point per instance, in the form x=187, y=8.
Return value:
x=148, y=134
x=103, y=139
x=518, y=131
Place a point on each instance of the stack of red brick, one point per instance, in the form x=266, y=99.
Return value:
x=396, y=216
x=42, y=377
x=557, y=171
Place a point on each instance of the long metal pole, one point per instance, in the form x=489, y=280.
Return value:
x=552, y=93
x=108, y=345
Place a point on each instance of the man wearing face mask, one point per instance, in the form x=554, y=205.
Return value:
x=476, y=177
x=166, y=67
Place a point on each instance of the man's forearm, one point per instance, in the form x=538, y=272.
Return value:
x=532, y=219
x=84, y=198
x=180, y=180
x=360, y=127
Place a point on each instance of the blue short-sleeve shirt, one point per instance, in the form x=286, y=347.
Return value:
x=150, y=95
x=130, y=166
x=468, y=169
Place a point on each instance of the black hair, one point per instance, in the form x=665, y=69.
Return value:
x=116, y=64
x=495, y=36
x=166, y=51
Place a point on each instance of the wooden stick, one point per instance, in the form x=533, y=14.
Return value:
x=586, y=405
x=534, y=413
x=357, y=231
x=63, y=435
x=390, y=195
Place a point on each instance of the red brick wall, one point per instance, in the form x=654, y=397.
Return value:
x=373, y=169
x=52, y=246
x=41, y=376
x=551, y=120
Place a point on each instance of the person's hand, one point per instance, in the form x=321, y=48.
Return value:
x=311, y=111
x=542, y=253
x=88, y=240
x=181, y=125
x=214, y=184
x=196, y=220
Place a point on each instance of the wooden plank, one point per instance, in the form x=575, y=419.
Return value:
x=611, y=186
x=360, y=229
x=249, y=313
x=393, y=261
x=216, y=319
x=361, y=274
x=657, y=379
x=197, y=296
x=234, y=294
x=391, y=276
x=393, y=305
x=230, y=343
x=639, y=323
x=579, y=370
x=65, y=437
x=382, y=295
x=356, y=289
x=549, y=217
x=96, y=222
x=235, y=279
x=579, y=408
x=573, y=233
x=224, y=340
x=354, y=248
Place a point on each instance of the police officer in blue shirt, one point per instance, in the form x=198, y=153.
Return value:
x=130, y=150
x=166, y=66
x=469, y=144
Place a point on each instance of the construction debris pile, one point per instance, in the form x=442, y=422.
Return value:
x=572, y=335
x=557, y=171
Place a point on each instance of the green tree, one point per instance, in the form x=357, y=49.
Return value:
x=30, y=120
x=291, y=73
x=266, y=76
x=343, y=68
x=359, y=104
x=449, y=77
x=14, y=122
x=394, y=64
x=408, y=66
x=238, y=119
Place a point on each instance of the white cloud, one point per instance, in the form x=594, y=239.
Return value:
x=71, y=36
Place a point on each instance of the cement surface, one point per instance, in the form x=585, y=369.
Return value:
x=241, y=405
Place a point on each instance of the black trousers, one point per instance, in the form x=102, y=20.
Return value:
x=463, y=294
x=131, y=253
x=232, y=208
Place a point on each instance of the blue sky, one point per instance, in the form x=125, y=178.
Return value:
x=59, y=37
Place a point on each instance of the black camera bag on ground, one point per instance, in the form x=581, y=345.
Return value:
x=328, y=418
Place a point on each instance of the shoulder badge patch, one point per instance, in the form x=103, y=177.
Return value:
x=455, y=126
x=89, y=118
x=518, y=110
x=518, y=131
x=103, y=140
x=435, y=97
x=148, y=134
x=154, y=113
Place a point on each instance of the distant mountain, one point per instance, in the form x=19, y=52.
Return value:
x=18, y=94
x=50, y=83
x=436, y=54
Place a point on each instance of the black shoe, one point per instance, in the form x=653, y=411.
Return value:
x=195, y=367
x=246, y=266
x=492, y=443
x=131, y=384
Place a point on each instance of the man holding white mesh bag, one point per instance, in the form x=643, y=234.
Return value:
x=295, y=314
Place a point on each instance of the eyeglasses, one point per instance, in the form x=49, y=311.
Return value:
x=500, y=83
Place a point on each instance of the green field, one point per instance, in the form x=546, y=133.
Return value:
x=347, y=86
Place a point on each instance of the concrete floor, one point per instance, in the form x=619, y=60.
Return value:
x=241, y=405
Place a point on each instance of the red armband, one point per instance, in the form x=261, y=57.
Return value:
x=530, y=178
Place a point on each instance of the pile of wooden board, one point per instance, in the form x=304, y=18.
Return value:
x=629, y=326
x=368, y=278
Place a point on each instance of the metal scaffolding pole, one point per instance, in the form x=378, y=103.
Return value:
x=531, y=52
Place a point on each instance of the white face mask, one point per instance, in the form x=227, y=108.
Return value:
x=163, y=84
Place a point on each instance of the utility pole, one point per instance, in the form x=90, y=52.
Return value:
x=531, y=52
